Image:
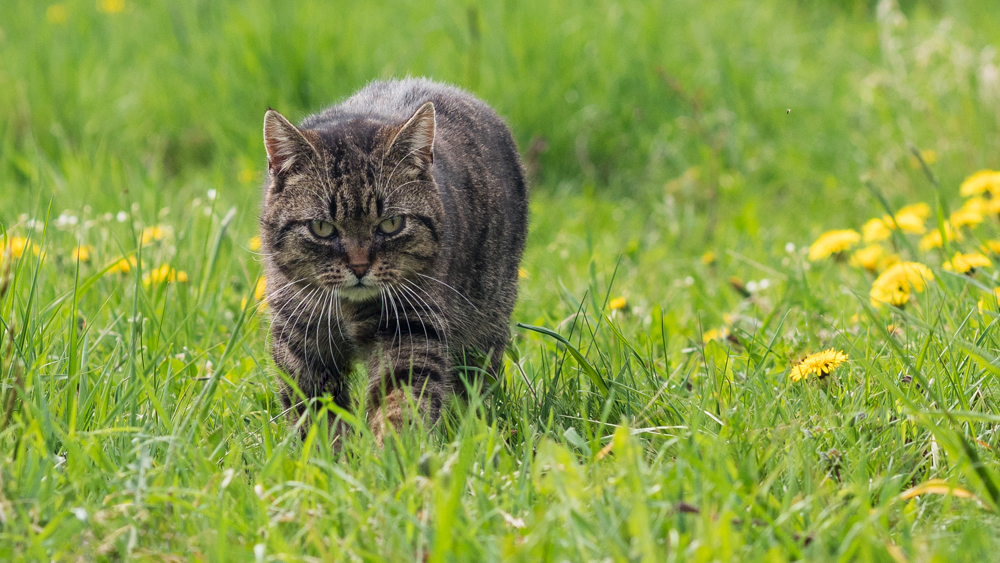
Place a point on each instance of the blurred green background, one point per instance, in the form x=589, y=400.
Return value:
x=615, y=97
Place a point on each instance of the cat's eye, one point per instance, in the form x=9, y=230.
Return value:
x=391, y=226
x=322, y=229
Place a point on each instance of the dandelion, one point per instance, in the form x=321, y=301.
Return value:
x=111, y=6
x=708, y=258
x=522, y=273
x=991, y=207
x=715, y=334
x=981, y=183
x=872, y=258
x=164, y=274
x=617, y=303
x=898, y=281
x=875, y=230
x=16, y=246
x=966, y=217
x=246, y=176
x=259, y=294
x=833, y=243
x=254, y=244
x=921, y=210
x=867, y=257
x=260, y=291
x=123, y=266
x=150, y=234
x=975, y=204
x=933, y=238
x=990, y=303
x=82, y=253
x=967, y=263
x=56, y=14
x=992, y=246
x=929, y=157
x=820, y=364
x=907, y=222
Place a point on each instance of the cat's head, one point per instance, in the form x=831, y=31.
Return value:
x=353, y=208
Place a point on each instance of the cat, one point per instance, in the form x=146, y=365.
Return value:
x=392, y=230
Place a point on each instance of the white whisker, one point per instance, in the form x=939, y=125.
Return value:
x=451, y=288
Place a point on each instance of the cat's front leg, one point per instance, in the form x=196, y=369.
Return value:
x=314, y=376
x=407, y=368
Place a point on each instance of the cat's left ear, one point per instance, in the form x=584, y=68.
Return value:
x=415, y=140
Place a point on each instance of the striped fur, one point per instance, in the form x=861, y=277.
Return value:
x=409, y=304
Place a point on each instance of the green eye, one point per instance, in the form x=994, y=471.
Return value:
x=322, y=229
x=391, y=226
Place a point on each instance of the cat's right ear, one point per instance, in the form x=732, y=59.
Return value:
x=286, y=146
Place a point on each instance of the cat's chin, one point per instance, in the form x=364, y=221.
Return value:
x=359, y=293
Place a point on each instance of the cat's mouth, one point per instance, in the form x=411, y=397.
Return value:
x=359, y=292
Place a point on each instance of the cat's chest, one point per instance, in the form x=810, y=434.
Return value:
x=363, y=320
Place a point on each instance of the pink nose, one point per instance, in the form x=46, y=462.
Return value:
x=359, y=269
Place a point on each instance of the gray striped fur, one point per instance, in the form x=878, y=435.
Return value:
x=444, y=286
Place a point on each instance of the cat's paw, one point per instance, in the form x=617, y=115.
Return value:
x=388, y=417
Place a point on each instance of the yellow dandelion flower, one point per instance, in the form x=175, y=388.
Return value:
x=975, y=205
x=123, y=266
x=715, y=334
x=965, y=218
x=617, y=303
x=522, y=273
x=56, y=14
x=868, y=257
x=247, y=175
x=933, y=238
x=833, y=242
x=16, y=246
x=895, y=284
x=896, y=296
x=164, y=274
x=820, y=364
x=708, y=258
x=111, y=6
x=254, y=244
x=991, y=207
x=967, y=263
x=929, y=156
x=150, y=234
x=82, y=253
x=910, y=219
x=260, y=291
x=907, y=222
x=990, y=302
x=875, y=230
x=992, y=246
x=921, y=210
x=158, y=275
x=980, y=183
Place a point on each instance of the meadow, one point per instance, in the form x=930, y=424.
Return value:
x=758, y=314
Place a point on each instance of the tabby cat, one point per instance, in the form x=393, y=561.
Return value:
x=392, y=229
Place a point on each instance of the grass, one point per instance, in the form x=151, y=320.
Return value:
x=138, y=420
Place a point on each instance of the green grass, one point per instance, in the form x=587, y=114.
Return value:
x=139, y=422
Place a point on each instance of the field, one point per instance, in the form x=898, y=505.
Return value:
x=684, y=157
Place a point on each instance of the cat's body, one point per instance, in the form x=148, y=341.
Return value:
x=393, y=227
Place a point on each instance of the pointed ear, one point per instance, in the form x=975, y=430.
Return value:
x=415, y=140
x=286, y=146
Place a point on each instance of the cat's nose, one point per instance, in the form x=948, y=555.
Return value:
x=359, y=269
